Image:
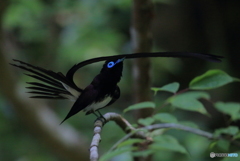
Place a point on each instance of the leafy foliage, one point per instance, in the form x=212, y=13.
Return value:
x=211, y=79
x=186, y=100
x=146, y=121
x=189, y=101
x=116, y=152
x=231, y=108
x=167, y=142
x=165, y=117
x=172, y=87
x=231, y=130
x=140, y=106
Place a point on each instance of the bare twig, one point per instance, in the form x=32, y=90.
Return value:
x=181, y=127
x=139, y=132
x=191, y=130
x=121, y=122
x=95, y=141
x=124, y=124
x=131, y=135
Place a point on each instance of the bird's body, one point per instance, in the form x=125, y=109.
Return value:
x=101, y=92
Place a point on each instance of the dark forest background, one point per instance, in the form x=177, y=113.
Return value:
x=58, y=34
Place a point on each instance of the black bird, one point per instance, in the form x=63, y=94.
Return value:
x=102, y=91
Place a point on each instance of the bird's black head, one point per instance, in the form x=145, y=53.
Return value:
x=113, y=68
x=113, y=65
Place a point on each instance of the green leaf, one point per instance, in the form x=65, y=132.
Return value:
x=144, y=153
x=129, y=142
x=116, y=152
x=230, y=108
x=157, y=132
x=211, y=79
x=146, y=121
x=223, y=144
x=237, y=136
x=212, y=145
x=140, y=106
x=165, y=117
x=134, y=125
x=167, y=142
x=172, y=87
x=231, y=130
x=189, y=101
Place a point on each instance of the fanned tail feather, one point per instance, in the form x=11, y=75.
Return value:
x=52, y=84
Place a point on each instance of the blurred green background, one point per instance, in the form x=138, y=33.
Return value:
x=58, y=34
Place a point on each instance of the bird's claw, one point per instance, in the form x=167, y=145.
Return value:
x=102, y=119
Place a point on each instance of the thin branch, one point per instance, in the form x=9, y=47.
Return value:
x=140, y=132
x=121, y=122
x=129, y=135
x=191, y=130
x=181, y=127
x=96, y=140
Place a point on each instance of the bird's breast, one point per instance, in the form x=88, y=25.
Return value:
x=98, y=104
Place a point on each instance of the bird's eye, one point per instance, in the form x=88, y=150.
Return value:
x=110, y=64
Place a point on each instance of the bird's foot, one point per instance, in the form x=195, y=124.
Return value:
x=102, y=119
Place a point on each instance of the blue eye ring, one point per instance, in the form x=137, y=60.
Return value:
x=110, y=64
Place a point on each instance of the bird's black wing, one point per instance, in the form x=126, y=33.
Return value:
x=53, y=85
x=209, y=57
x=87, y=98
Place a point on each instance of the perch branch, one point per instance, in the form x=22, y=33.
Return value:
x=139, y=132
x=121, y=122
x=181, y=127
x=191, y=130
